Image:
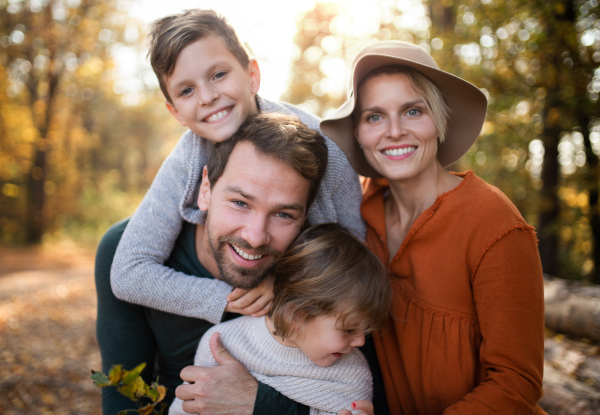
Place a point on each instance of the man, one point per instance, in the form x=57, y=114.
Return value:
x=256, y=189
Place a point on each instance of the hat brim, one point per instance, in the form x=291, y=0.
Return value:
x=468, y=106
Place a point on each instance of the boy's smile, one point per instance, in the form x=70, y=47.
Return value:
x=211, y=93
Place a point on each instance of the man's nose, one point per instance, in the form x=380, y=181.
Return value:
x=256, y=231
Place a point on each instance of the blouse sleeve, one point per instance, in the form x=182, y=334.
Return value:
x=508, y=292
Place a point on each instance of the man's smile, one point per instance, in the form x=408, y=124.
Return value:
x=244, y=254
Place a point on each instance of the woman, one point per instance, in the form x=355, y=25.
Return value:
x=466, y=331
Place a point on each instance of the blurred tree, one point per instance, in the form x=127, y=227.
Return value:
x=44, y=45
x=537, y=62
x=79, y=145
x=330, y=35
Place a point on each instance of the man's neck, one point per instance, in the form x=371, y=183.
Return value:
x=204, y=252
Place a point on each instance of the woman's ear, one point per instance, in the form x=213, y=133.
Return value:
x=204, y=194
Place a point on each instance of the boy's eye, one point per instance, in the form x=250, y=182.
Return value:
x=374, y=117
x=220, y=74
x=186, y=91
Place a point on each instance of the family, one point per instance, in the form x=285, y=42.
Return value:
x=261, y=274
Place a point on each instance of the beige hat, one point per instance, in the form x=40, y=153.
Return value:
x=467, y=103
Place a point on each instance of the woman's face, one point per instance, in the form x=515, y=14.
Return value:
x=395, y=128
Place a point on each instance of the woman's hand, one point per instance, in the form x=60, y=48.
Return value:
x=363, y=408
x=255, y=302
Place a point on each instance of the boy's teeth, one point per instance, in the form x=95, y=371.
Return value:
x=217, y=116
x=399, y=151
x=245, y=255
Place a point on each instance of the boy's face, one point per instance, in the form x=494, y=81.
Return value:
x=211, y=93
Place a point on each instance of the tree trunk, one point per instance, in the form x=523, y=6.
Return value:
x=550, y=204
x=572, y=308
x=36, y=225
x=592, y=183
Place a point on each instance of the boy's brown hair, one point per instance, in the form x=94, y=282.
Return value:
x=169, y=35
x=279, y=136
x=327, y=271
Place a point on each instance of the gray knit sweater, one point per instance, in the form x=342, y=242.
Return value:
x=326, y=390
x=138, y=274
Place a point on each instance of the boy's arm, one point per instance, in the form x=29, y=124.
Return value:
x=138, y=274
x=339, y=195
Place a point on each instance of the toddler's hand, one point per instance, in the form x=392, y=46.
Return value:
x=363, y=408
x=255, y=302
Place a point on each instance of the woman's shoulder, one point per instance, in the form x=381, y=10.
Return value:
x=476, y=197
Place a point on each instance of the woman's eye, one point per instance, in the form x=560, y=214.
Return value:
x=374, y=117
x=413, y=112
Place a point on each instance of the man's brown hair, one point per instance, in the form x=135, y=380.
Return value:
x=279, y=136
x=327, y=271
x=169, y=35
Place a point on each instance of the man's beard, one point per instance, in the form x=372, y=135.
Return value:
x=234, y=275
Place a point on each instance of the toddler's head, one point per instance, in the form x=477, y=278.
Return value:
x=330, y=290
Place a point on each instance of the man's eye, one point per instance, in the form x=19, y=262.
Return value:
x=240, y=203
x=284, y=215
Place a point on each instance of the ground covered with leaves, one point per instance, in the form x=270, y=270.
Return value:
x=47, y=331
x=48, y=344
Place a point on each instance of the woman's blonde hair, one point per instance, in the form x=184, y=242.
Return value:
x=327, y=271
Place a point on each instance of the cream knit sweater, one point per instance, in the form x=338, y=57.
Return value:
x=326, y=390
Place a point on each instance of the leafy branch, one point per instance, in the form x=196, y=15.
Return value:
x=131, y=384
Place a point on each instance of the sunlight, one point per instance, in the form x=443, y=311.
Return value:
x=268, y=28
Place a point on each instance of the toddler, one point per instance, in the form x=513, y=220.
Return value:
x=330, y=291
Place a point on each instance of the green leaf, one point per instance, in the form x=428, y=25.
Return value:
x=100, y=379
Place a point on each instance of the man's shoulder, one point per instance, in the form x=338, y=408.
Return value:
x=309, y=119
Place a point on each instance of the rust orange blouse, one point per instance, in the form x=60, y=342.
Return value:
x=466, y=335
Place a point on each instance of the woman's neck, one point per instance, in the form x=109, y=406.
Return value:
x=408, y=199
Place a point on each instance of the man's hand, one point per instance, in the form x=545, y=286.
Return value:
x=255, y=302
x=364, y=408
x=220, y=390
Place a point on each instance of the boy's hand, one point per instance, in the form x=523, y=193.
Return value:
x=255, y=302
x=363, y=408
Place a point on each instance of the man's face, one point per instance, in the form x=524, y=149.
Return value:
x=255, y=210
x=211, y=93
